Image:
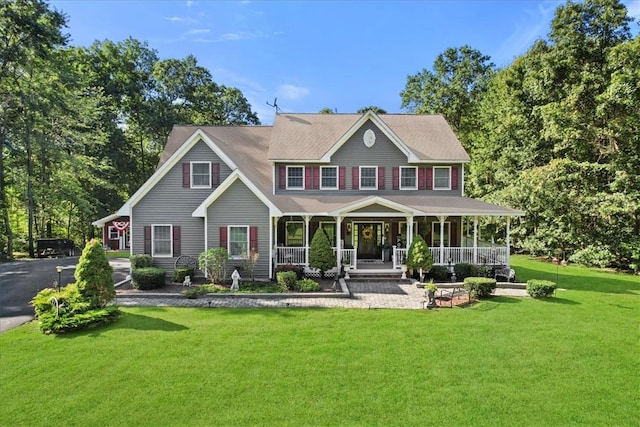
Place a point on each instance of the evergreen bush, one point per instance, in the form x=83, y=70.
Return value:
x=419, y=255
x=181, y=272
x=94, y=275
x=464, y=270
x=321, y=254
x=307, y=285
x=287, y=279
x=141, y=261
x=148, y=278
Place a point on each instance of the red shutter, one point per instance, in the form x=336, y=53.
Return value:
x=421, y=178
x=380, y=177
x=147, y=239
x=176, y=240
x=429, y=178
x=454, y=234
x=282, y=170
x=396, y=178
x=355, y=177
x=253, y=238
x=215, y=174
x=342, y=182
x=454, y=177
x=308, y=178
x=186, y=175
x=316, y=177
x=223, y=237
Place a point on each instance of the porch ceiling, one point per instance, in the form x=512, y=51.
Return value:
x=345, y=205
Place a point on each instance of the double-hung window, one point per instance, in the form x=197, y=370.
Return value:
x=238, y=241
x=442, y=178
x=294, y=233
x=368, y=177
x=114, y=234
x=329, y=177
x=408, y=178
x=161, y=239
x=295, y=177
x=200, y=174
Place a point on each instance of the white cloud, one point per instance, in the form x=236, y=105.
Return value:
x=292, y=92
x=180, y=19
x=189, y=3
x=199, y=31
x=528, y=29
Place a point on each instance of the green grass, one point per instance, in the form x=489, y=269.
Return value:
x=117, y=254
x=570, y=360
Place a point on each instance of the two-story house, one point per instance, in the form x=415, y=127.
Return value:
x=370, y=181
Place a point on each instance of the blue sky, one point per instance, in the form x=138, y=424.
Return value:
x=315, y=54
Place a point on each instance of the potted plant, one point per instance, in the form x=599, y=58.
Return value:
x=430, y=293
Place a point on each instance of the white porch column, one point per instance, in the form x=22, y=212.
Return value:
x=441, y=219
x=307, y=218
x=508, y=241
x=273, y=246
x=475, y=239
x=338, y=246
x=409, y=231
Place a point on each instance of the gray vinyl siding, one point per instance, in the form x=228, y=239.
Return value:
x=169, y=203
x=384, y=153
x=239, y=206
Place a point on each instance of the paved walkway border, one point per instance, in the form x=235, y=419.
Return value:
x=356, y=294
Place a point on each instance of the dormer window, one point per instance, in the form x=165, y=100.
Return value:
x=442, y=178
x=408, y=178
x=368, y=177
x=295, y=177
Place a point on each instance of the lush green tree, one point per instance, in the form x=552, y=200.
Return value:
x=327, y=110
x=453, y=89
x=94, y=275
x=321, y=255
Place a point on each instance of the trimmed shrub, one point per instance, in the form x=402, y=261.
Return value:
x=287, y=279
x=479, y=287
x=307, y=285
x=141, y=261
x=419, y=255
x=439, y=273
x=321, y=254
x=94, y=275
x=298, y=269
x=148, y=278
x=464, y=270
x=181, y=272
x=540, y=288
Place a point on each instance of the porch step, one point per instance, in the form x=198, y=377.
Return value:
x=376, y=275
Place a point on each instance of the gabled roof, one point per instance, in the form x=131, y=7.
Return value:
x=315, y=137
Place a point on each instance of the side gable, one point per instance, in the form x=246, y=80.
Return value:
x=224, y=186
x=173, y=160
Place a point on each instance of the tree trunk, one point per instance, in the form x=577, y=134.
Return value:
x=4, y=207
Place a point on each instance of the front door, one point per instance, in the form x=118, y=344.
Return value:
x=368, y=240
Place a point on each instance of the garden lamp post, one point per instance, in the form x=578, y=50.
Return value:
x=59, y=270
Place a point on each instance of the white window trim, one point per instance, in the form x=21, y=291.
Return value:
x=110, y=233
x=200, y=163
x=229, y=227
x=434, y=178
x=435, y=228
x=335, y=168
x=374, y=187
x=153, y=241
x=303, y=173
x=415, y=178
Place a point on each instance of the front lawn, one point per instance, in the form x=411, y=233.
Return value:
x=568, y=360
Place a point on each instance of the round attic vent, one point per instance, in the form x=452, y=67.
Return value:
x=369, y=138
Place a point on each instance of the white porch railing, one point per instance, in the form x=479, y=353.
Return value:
x=480, y=255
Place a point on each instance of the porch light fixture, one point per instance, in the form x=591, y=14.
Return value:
x=348, y=227
x=386, y=227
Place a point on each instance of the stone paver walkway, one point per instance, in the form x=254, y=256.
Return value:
x=368, y=295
